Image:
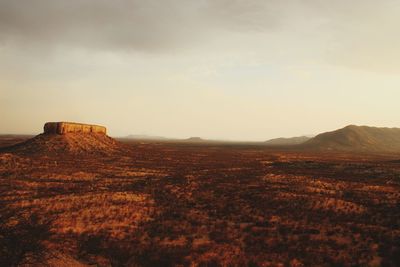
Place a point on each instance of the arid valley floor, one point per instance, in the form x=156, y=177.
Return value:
x=187, y=204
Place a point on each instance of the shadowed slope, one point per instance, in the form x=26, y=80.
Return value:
x=357, y=138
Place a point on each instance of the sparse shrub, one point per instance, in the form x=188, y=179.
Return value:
x=22, y=238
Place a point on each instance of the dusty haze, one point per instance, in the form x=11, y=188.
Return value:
x=245, y=70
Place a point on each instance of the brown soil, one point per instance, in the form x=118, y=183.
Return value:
x=181, y=204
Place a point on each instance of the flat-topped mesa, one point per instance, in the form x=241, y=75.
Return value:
x=72, y=127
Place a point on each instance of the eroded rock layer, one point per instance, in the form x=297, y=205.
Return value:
x=72, y=127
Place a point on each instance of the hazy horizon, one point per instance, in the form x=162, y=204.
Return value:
x=232, y=70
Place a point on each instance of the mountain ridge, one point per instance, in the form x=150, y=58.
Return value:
x=357, y=138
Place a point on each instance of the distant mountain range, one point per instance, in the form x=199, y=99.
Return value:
x=351, y=138
x=287, y=141
x=194, y=139
x=145, y=137
x=357, y=138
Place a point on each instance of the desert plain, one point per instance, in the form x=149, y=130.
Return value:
x=166, y=203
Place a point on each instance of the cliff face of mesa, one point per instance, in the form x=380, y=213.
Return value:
x=72, y=127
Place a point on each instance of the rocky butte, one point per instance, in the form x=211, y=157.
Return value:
x=72, y=127
x=68, y=138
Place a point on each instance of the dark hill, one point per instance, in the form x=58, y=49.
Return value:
x=357, y=138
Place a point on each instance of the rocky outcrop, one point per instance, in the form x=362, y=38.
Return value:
x=72, y=127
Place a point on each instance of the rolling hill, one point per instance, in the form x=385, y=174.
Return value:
x=357, y=138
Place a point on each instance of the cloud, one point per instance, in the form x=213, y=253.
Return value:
x=364, y=34
x=356, y=34
x=93, y=24
x=123, y=24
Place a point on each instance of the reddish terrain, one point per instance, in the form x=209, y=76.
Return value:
x=197, y=204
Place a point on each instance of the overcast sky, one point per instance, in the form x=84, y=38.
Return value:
x=238, y=69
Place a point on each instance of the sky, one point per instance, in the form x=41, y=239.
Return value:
x=218, y=69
